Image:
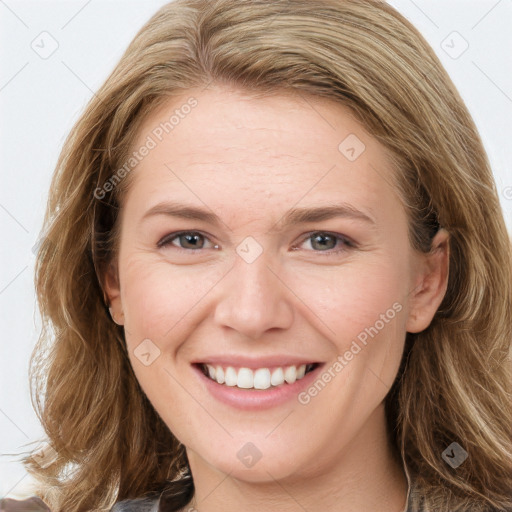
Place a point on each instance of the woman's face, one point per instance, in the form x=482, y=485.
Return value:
x=252, y=285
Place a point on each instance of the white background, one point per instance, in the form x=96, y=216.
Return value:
x=40, y=99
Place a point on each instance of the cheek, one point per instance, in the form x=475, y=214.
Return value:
x=349, y=299
x=159, y=297
x=361, y=311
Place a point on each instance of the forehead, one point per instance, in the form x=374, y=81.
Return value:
x=226, y=147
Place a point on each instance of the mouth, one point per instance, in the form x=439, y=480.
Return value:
x=256, y=378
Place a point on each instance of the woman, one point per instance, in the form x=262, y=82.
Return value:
x=199, y=353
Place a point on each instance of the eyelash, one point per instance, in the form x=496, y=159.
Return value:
x=347, y=244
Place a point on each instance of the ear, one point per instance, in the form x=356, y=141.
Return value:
x=430, y=283
x=113, y=294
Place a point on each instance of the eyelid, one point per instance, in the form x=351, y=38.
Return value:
x=166, y=240
x=331, y=233
x=347, y=243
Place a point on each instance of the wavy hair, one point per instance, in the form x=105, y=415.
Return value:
x=454, y=382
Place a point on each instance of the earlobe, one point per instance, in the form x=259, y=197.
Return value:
x=112, y=294
x=431, y=284
x=112, y=314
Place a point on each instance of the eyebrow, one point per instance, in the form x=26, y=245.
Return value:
x=290, y=218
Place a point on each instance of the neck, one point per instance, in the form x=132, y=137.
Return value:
x=365, y=476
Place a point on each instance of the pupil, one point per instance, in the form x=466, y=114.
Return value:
x=322, y=237
x=188, y=238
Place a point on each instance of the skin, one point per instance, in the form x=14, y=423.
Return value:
x=250, y=160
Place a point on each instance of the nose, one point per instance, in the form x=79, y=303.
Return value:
x=254, y=299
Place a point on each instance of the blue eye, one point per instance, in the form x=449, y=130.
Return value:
x=191, y=238
x=324, y=238
x=193, y=241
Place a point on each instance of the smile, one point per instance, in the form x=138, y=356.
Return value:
x=259, y=378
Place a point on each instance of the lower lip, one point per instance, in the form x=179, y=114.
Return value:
x=255, y=399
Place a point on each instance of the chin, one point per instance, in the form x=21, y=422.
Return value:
x=251, y=464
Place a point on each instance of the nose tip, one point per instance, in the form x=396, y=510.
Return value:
x=254, y=299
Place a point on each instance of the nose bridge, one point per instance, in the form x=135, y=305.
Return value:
x=255, y=299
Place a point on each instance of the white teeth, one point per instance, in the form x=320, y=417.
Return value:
x=230, y=376
x=245, y=378
x=219, y=372
x=261, y=378
x=290, y=374
x=277, y=377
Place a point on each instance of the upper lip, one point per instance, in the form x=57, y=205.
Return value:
x=254, y=362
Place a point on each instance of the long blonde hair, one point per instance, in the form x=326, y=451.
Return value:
x=454, y=382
